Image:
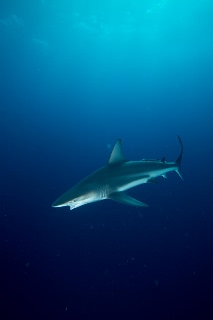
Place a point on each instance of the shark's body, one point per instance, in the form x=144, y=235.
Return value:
x=110, y=181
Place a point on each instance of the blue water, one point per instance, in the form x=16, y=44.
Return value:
x=76, y=76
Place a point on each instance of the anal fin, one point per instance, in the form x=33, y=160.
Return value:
x=122, y=197
x=152, y=180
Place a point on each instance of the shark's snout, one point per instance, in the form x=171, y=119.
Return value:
x=57, y=204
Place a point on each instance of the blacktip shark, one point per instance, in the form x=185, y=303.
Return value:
x=118, y=175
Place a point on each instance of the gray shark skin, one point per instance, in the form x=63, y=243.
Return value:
x=110, y=181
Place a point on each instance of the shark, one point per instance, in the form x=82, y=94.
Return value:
x=118, y=175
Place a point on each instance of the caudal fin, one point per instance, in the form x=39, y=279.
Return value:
x=179, y=159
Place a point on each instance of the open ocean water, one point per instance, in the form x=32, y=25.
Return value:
x=76, y=75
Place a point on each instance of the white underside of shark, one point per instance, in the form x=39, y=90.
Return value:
x=119, y=175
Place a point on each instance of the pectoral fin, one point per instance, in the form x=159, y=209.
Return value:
x=126, y=199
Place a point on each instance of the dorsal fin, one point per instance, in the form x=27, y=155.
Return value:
x=117, y=154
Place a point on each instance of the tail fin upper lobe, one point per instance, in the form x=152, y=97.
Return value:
x=179, y=159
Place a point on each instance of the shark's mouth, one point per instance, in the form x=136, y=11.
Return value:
x=78, y=202
x=74, y=205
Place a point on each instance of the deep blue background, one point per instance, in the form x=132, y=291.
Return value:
x=74, y=77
